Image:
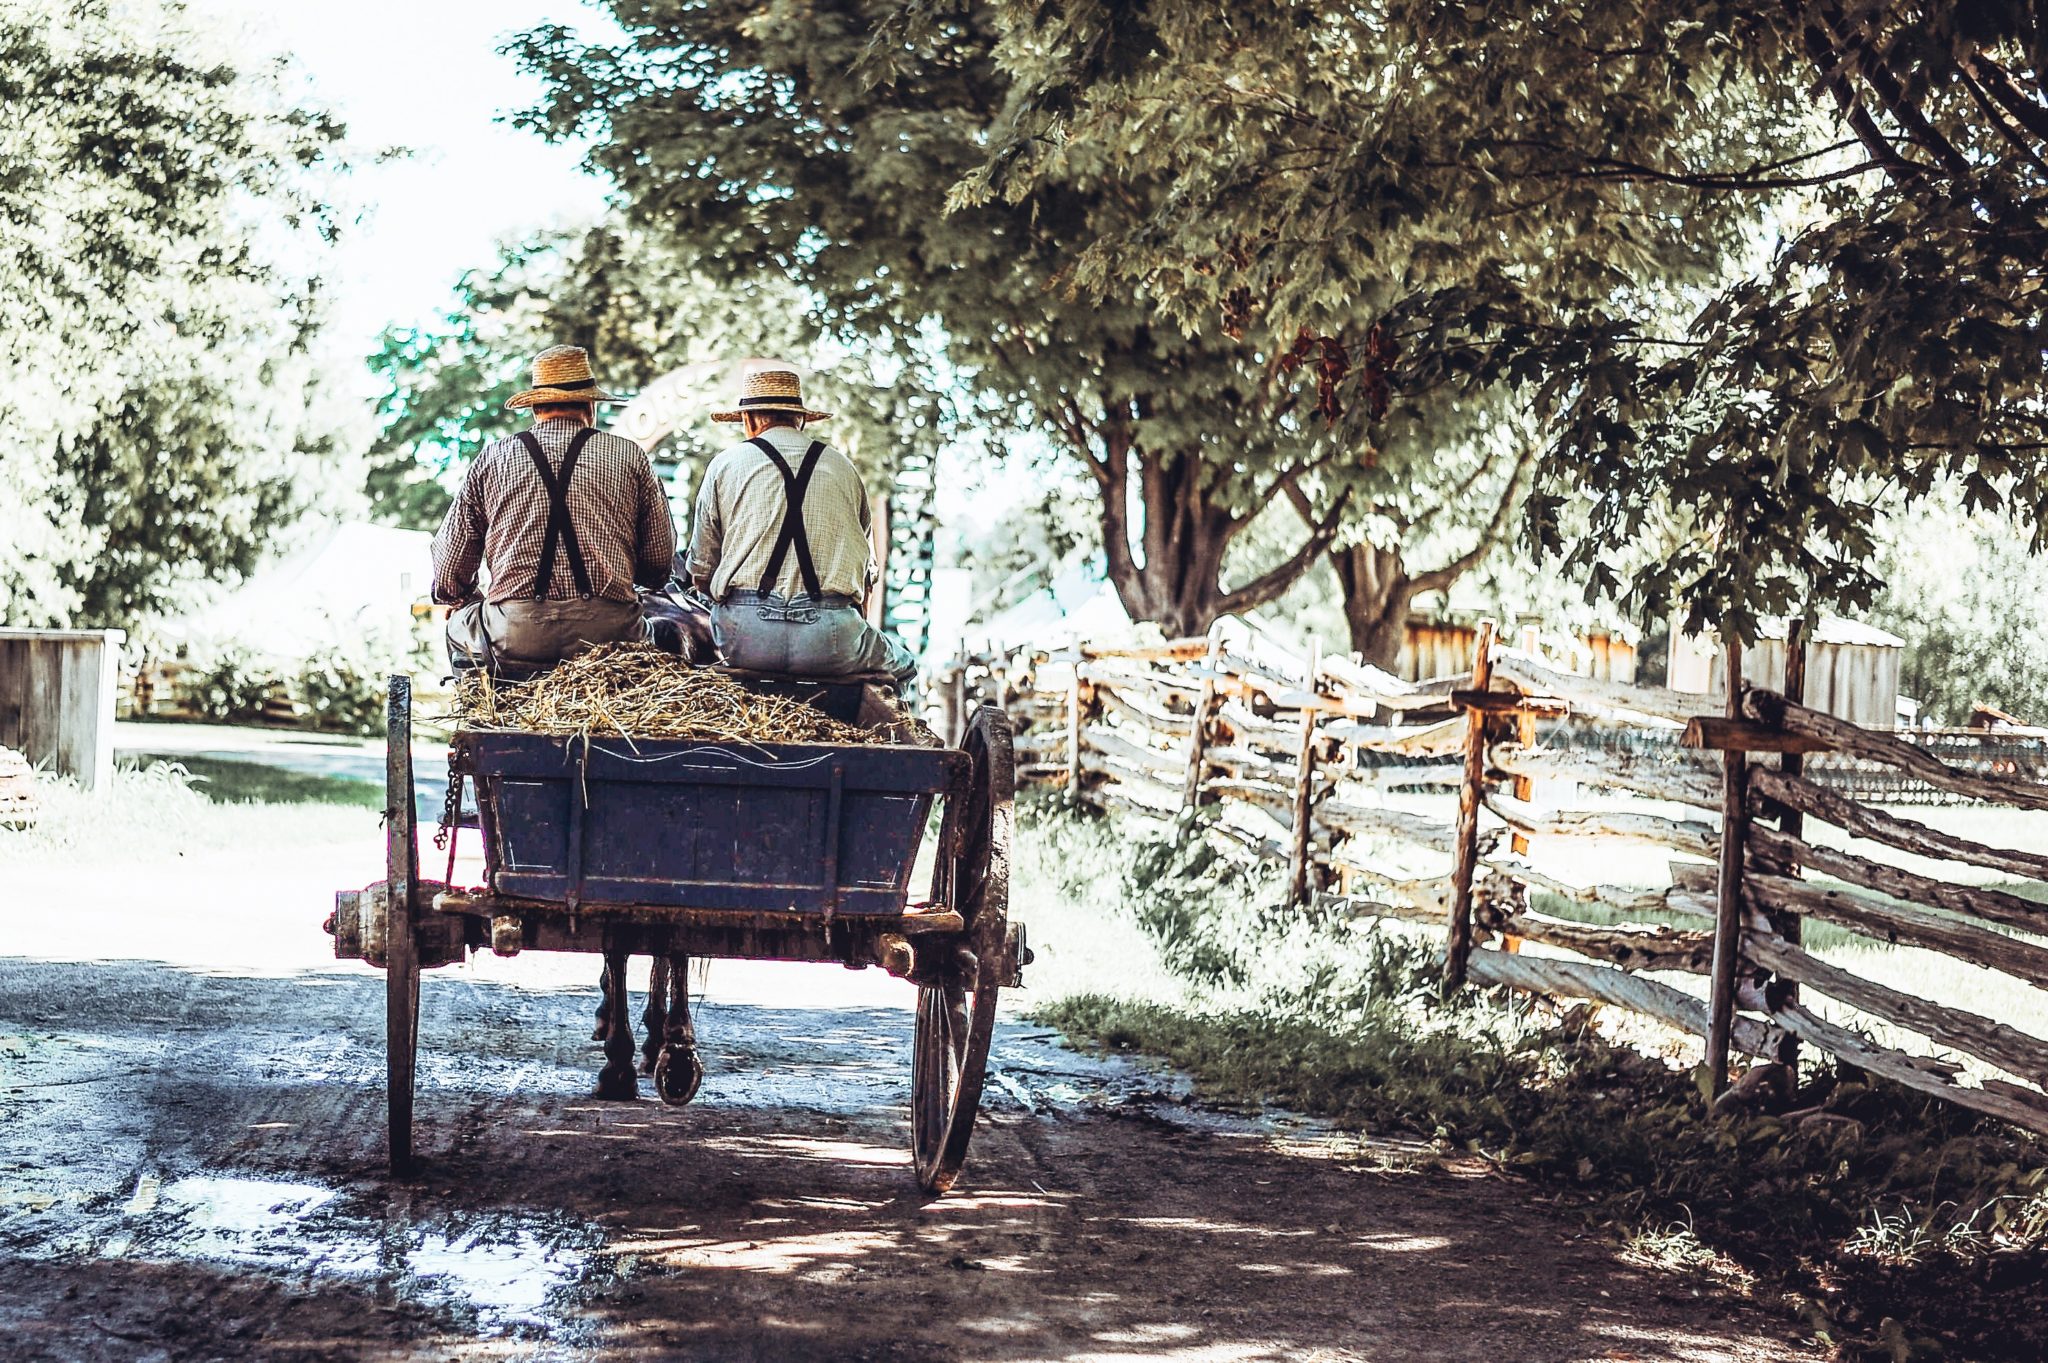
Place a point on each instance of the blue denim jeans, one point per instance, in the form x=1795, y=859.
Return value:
x=803, y=636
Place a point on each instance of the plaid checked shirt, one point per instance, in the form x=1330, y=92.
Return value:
x=500, y=519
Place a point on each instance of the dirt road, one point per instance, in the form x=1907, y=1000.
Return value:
x=191, y=1169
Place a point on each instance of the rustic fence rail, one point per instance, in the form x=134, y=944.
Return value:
x=1304, y=759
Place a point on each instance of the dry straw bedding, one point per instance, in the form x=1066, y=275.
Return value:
x=634, y=690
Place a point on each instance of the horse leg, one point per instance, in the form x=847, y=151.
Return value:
x=604, y=1002
x=677, y=1070
x=617, y=1080
x=654, y=1021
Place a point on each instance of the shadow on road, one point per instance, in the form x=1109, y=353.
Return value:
x=193, y=1169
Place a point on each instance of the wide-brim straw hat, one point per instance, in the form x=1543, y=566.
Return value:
x=561, y=374
x=771, y=388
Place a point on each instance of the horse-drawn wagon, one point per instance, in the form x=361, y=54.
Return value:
x=680, y=848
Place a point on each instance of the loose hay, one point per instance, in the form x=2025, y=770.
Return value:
x=634, y=690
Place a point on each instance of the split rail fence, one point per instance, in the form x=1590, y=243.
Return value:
x=1304, y=761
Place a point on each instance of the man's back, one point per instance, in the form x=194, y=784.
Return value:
x=618, y=512
x=740, y=509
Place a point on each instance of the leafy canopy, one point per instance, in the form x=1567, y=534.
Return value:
x=751, y=138
x=1844, y=205
x=163, y=412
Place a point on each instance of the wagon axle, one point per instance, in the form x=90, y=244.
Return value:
x=449, y=924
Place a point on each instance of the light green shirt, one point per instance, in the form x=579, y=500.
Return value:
x=740, y=508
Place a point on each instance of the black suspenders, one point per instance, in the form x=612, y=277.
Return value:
x=561, y=530
x=794, y=486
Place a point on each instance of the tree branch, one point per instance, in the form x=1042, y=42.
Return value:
x=1270, y=585
x=2033, y=116
x=1885, y=85
x=1436, y=579
x=1820, y=51
x=1996, y=118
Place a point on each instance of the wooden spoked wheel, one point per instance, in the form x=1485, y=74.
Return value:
x=956, y=1011
x=401, y=949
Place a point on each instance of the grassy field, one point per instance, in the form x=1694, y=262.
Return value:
x=227, y=782
x=196, y=805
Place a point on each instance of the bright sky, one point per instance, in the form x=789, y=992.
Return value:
x=424, y=75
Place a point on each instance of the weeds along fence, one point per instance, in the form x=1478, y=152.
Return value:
x=1311, y=763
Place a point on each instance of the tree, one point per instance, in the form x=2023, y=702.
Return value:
x=1971, y=603
x=1509, y=190
x=751, y=137
x=1380, y=181
x=164, y=412
x=1892, y=344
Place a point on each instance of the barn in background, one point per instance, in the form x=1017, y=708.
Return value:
x=1441, y=646
x=1852, y=669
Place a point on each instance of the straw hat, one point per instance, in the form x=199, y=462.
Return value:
x=774, y=388
x=561, y=374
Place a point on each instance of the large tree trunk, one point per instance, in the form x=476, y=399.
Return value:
x=1377, y=591
x=1184, y=537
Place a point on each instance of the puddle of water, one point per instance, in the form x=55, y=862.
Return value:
x=238, y=1220
x=508, y=1281
x=503, y=1268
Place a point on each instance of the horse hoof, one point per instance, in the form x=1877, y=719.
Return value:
x=618, y=1086
x=678, y=1074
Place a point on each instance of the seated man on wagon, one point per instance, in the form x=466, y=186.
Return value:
x=780, y=544
x=570, y=521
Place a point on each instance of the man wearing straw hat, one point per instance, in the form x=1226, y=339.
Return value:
x=568, y=519
x=780, y=544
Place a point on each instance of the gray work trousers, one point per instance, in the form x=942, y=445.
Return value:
x=804, y=636
x=534, y=634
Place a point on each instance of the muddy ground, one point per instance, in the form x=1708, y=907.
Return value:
x=191, y=1168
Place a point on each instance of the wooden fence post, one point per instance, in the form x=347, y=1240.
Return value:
x=1792, y=823
x=1304, y=783
x=1465, y=850
x=1728, y=884
x=1198, y=738
x=1074, y=730
x=952, y=683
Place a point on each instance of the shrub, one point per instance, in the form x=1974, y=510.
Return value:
x=344, y=690
x=231, y=686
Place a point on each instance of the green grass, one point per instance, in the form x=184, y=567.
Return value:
x=158, y=813
x=1341, y=1020
x=225, y=781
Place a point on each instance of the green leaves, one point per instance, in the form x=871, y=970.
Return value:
x=164, y=416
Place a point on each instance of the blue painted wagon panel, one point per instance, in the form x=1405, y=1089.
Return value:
x=705, y=825
x=533, y=819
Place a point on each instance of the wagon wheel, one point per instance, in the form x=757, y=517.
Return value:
x=401, y=950
x=956, y=1014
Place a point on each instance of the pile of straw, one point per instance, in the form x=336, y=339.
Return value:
x=634, y=690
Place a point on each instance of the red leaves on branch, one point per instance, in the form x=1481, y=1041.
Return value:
x=1333, y=365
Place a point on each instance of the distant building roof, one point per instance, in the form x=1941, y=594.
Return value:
x=1833, y=629
x=1075, y=605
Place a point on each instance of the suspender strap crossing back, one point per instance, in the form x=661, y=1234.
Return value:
x=561, y=530
x=794, y=485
